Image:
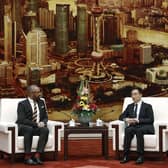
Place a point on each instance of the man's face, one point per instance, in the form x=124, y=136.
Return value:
x=136, y=95
x=36, y=93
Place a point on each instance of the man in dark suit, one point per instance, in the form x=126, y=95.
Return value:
x=32, y=120
x=139, y=119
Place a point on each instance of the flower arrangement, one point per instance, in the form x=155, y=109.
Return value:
x=83, y=108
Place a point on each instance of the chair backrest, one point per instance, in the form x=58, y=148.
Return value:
x=159, y=105
x=8, y=109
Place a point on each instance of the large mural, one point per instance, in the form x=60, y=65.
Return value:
x=113, y=45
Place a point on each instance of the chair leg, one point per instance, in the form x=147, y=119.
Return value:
x=56, y=155
x=162, y=156
x=12, y=158
x=1, y=155
x=54, y=158
x=117, y=155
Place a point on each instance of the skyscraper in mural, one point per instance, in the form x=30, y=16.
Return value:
x=61, y=32
x=37, y=47
x=82, y=29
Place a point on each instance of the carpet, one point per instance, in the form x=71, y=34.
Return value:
x=87, y=154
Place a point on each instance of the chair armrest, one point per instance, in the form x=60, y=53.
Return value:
x=158, y=124
x=160, y=131
x=117, y=128
x=117, y=123
x=164, y=140
x=6, y=126
x=52, y=124
x=11, y=130
x=56, y=128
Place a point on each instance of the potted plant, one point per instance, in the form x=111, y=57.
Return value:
x=83, y=108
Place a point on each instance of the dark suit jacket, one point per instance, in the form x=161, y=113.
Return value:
x=146, y=116
x=25, y=112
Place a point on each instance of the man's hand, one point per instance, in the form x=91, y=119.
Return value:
x=41, y=124
x=136, y=120
x=131, y=120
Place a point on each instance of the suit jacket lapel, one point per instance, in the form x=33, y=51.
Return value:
x=40, y=105
x=29, y=106
x=132, y=108
x=141, y=109
x=29, y=109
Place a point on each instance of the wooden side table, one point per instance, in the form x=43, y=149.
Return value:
x=86, y=130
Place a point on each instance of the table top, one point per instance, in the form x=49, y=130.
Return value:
x=79, y=127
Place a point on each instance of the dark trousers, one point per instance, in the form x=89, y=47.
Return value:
x=139, y=131
x=28, y=132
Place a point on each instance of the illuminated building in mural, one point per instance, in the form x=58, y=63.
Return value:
x=37, y=47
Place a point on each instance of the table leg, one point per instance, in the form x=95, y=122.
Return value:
x=56, y=144
x=106, y=148
x=65, y=145
x=103, y=144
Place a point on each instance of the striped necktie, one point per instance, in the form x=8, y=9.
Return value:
x=34, y=117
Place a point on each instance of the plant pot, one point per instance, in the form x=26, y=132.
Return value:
x=85, y=120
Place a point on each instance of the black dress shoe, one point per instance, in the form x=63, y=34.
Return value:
x=29, y=162
x=38, y=161
x=124, y=160
x=140, y=160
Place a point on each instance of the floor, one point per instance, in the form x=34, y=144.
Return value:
x=87, y=154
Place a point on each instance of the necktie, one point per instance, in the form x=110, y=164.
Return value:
x=135, y=110
x=34, y=118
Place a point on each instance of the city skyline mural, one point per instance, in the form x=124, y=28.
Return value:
x=113, y=44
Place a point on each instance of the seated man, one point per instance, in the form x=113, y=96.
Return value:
x=139, y=119
x=32, y=120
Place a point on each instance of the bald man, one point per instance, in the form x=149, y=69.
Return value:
x=32, y=120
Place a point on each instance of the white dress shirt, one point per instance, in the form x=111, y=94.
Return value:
x=31, y=101
x=138, y=108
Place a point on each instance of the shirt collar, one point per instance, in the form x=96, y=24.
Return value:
x=139, y=103
x=30, y=100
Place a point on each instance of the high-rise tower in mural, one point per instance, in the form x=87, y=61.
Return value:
x=61, y=33
x=37, y=47
x=82, y=29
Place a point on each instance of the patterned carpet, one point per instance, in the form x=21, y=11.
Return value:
x=87, y=154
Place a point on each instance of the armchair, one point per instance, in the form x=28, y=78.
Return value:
x=156, y=143
x=12, y=144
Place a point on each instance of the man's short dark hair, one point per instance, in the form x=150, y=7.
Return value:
x=137, y=88
x=31, y=88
